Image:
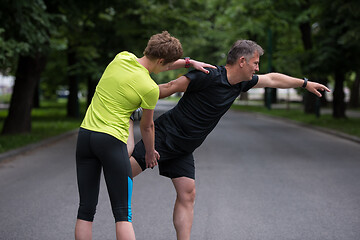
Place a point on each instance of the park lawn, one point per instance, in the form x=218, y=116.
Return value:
x=349, y=126
x=48, y=121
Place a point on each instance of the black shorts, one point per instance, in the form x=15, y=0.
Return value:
x=172, y=163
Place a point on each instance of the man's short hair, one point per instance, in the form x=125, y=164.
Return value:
x=163, y=45
x=243, y=48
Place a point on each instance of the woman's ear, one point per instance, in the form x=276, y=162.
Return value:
x=160, y=61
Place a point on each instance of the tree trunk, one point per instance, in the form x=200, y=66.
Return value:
x=309, y=102
x=73, y=100
x=339, y=105
x=270, y=96
x=308, y=98
x=355, y=90
x=305, y=29
x=323, y=100
x=36, y=99
x=91, y=90
x=27, y=76
x=274, y=98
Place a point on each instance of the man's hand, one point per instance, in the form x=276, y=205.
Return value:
x=201, y=66
x=151, y=159
x=315, y=87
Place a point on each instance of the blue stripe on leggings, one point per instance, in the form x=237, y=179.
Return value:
x=130, y=187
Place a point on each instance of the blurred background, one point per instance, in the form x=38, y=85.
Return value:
x=52, y=54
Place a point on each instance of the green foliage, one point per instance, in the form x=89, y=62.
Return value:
x=26, y=29
x=337, y=35
x=54, y=76
x=95, y=31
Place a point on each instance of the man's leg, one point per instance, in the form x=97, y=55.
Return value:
x=130, y=142
x=135, y=116
x=135, y=167
x=184, y=206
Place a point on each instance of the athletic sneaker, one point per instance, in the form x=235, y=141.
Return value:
x=137, y=114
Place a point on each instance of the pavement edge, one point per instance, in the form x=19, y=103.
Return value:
x=320, y=129
x=18, y=151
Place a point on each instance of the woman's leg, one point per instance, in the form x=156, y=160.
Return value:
x=124, y=231
x=83, y=230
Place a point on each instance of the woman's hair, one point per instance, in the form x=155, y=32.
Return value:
x=163, y=45
x=243, y=48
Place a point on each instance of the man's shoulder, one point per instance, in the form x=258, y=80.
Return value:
x=213, y=73
x=218, y=71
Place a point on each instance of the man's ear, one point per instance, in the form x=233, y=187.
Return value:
x=241, y=61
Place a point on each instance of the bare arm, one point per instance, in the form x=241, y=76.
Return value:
x=178, y=85
x=148, y=133
x=180, y=63
x=278, y=80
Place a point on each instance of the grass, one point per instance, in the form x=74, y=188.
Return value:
x=47, y=121
x=50, y=120
x=349, y=126
x=5, y=98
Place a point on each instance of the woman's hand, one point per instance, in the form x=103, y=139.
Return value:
x=201, y=66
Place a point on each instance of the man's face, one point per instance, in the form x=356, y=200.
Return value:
x=252, y=66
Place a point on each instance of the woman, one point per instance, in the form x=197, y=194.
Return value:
x=124, y=86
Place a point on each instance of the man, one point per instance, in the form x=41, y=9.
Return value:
x=207, y=98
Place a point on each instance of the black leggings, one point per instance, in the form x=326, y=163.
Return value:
x=94, y=151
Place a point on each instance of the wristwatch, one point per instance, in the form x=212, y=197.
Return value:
x=187, y=62
x=305, y=82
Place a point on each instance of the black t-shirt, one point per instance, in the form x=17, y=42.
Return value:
x=207, y=98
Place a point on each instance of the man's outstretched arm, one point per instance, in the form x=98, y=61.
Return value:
x=178, y=85
x=278, y=80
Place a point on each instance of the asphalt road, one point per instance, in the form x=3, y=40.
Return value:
x=257, y=179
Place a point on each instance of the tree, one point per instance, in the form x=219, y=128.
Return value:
x=29, y=27
x=355, y=91
x=337, y=45
x=351, y=37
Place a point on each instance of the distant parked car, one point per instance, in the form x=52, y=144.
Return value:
x=62, y=93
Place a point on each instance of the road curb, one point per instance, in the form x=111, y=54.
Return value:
x=320, y=129
x=18, y=151
x=27, y=148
